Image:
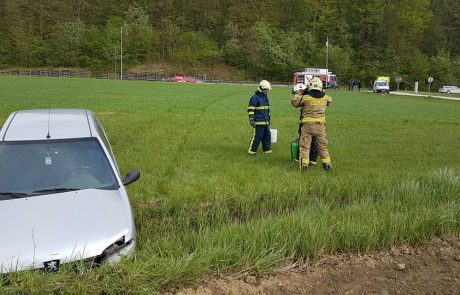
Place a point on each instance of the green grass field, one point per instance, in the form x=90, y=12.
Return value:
x=203, y=205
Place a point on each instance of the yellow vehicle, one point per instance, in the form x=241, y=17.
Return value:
x=384, y=78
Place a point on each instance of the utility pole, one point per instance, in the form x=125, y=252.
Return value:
x=327, y=50
x=121, y=53
x=327, y=60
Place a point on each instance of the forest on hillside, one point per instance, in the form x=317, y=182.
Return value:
x=269, y=39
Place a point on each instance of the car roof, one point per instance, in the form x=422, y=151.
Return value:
x=42, y=124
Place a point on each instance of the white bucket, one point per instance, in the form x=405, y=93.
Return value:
x=274, y=135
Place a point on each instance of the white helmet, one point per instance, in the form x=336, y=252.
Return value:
x=264, y=84
x=297, y=87
x=316, y=84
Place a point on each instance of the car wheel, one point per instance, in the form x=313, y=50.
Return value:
x=448, y=91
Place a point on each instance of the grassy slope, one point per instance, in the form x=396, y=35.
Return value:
x=203, y=205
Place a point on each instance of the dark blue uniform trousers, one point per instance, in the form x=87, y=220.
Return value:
x=261, y=134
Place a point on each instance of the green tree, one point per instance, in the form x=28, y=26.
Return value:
x=94, y=50
x=112, y=43
x=232, y=48
x=194, y=48
x=270, y=39
x=448, y=15
x=269, y=53
x=29, y=50
x=141, y=40
x=442, y=69
x=340, y=62
x=169, y=32
x=68, y=43
x=456, y=69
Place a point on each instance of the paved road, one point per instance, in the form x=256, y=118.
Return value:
x=424, y=95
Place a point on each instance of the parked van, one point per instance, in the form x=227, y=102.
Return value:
x=381, y=85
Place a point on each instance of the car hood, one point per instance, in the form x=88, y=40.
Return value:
x=66, y=227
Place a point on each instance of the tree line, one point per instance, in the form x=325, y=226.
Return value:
x=270, y=39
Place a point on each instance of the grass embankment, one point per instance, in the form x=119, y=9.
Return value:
x=202, y=205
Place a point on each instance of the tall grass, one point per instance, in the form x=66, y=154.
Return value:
x=203, y=206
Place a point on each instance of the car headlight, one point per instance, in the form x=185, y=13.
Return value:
x=115, y=252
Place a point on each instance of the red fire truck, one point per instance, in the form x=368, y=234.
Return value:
x=329, y=79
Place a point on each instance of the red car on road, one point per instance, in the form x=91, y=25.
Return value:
x=185, y=79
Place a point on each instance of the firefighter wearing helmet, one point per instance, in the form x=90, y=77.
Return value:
x=302, y=89
x=299, y=87
x=313, y=118
x=259, y=119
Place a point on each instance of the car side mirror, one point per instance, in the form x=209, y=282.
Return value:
x=131, y=177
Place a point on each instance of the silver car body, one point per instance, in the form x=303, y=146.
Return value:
x=449, y=89
x=381, y=86
x=49, y=229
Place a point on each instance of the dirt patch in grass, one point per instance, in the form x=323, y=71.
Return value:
x=432, y=268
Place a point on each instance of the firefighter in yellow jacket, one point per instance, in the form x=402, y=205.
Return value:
x=313, y=104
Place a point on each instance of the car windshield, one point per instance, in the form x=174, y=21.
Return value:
x=30, y=168
x=381, y=84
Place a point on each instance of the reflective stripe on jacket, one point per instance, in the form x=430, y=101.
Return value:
x=313, y=106
x=259, y=109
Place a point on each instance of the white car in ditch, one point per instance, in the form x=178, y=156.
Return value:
x=61, y=195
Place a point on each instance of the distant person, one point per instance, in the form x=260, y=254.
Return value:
x=313, y=123
x=259, y=119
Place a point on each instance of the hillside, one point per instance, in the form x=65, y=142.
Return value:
x=356, y=39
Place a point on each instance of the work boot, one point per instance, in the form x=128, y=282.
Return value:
x=327, y=166
x=251, y=153
x=304, y=168
x=268, y=152
x=303, y=162
x=312, y=164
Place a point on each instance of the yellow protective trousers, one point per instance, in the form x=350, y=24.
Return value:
x=308, y=131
